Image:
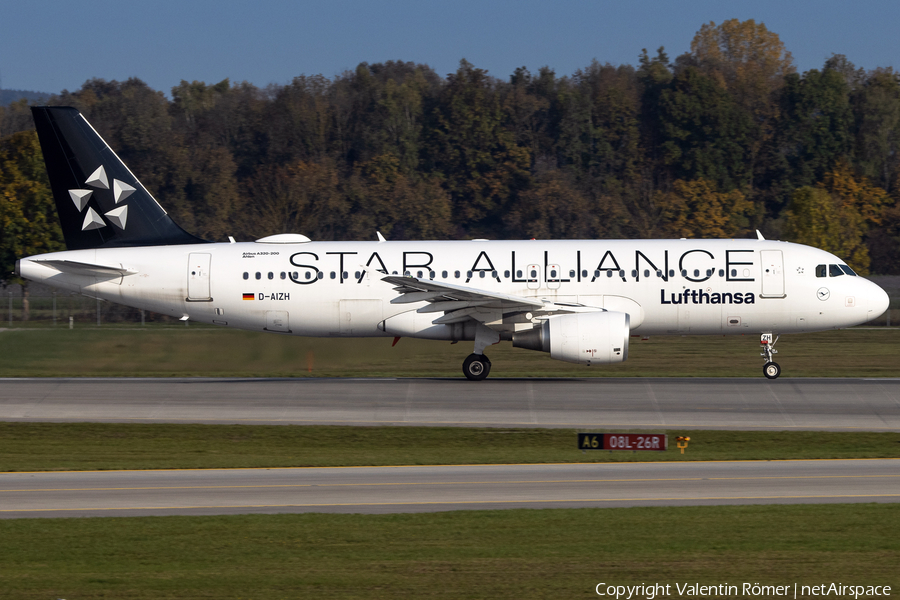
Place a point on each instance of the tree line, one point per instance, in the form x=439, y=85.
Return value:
x=722, y=140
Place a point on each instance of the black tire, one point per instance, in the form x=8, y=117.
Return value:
x=476, y=367
x=771, y=370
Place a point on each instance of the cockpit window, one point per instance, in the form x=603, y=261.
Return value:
x=846, y=269
x=821, y=271
x=834, y=271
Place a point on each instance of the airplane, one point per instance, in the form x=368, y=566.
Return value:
x=578, y=300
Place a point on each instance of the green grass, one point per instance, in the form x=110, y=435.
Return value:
x=468, y=554
x=95, y=446
x=207, y=351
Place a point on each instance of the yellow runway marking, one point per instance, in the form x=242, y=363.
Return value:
x=525, y=424
x=455, y=503
x=483, y=465
x=424, y=483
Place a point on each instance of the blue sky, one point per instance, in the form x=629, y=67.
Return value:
x=54, y=45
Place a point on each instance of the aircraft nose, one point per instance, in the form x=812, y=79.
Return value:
x=878, y=302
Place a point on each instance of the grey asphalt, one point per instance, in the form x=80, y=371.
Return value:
x=439, y=488
x=698, y=403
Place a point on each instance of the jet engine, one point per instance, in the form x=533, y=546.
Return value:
x=593, y=338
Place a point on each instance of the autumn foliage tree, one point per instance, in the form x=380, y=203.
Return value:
x=836, y=215
x=721, y=140
x=28, y=223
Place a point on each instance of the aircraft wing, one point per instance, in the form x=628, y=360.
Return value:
x=460, y=303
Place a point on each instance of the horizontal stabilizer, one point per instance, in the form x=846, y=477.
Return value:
x=91, y=270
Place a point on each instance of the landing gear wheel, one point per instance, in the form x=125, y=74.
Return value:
x=476, y=367
x=771, y=369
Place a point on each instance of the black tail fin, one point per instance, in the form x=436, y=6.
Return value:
x=99, y=201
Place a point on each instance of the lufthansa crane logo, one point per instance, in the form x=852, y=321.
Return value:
x=823, y=294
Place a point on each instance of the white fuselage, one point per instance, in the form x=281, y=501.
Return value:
x=335, y=288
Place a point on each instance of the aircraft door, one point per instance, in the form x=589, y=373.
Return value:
x=277, y=320
x=554, y=275
x=533, y=277
x=198, y=277
x=360, y=317
x=772, y=265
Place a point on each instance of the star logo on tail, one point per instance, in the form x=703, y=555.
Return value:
x=98, y=180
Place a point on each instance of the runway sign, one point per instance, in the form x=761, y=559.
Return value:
x=622, y=441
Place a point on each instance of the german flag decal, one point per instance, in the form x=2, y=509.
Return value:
x=248, y=296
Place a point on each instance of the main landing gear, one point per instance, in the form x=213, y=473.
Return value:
x=771, y=369
x=476, y=367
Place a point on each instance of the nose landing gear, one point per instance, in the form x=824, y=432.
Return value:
x=771, y=369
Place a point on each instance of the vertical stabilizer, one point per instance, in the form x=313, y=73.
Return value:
x=100, y=203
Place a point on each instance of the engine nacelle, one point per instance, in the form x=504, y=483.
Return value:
x=594, y=338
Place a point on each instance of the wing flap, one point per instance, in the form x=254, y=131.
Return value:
x=432, y=291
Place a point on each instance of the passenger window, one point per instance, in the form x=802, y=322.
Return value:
x=696, y=272
x=444, y=274
x=456, y=274
x=431, y=274
x=296, y=275
x=533, y=274
x=834, y=271
x=671, y=272
x=609, y=273
x=634, y=273
x=518, y=274
x=356, y=275
x=345, y=275
x=283, y=275
x=308, y=275
x=405, y=274
x=258, y=275
x=684, y=272
x=584, y=272
x=596, y=273
x=321, y=274
x=553, y=273
x=468, y=274
x=419, y=274
x=506, y=274
x=494, y=274
x=246, y=275
x=571, y=273
x=734, y=272
x=846, y=269
x=820, y=270
x=622, y=273
x=481, y=274
x=334, y=275
x=721, y=272
x=646, y=272
x=658, y=273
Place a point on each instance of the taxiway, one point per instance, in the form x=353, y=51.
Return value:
x=439, y=488
x=697, y=403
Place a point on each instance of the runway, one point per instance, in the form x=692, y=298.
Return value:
x=440, y=488
x=698, y=403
